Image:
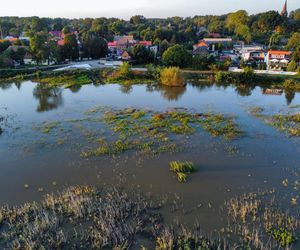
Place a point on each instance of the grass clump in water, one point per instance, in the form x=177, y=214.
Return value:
x=284, y=237
x=287, y=123
x=181, y=169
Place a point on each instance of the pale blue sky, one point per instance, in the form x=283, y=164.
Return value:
x=127, y=8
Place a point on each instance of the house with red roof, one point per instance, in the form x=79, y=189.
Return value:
x=278, y=59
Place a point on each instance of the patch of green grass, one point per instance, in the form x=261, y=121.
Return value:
x=181, y=169
x=284, y=237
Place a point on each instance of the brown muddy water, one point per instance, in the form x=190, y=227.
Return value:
x=36, y=159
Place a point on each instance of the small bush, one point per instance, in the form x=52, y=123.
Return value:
x=172, y=77
x=123, y=73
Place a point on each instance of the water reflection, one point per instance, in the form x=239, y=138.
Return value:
x=244, y=90
x=289, y=96
x=49, y=98
x=126, y=88
x=168, y=93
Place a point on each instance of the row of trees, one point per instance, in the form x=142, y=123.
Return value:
x=258, y=27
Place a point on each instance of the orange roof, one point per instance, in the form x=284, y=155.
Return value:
x=280, y=52
x=61, y=42
x=202, y=44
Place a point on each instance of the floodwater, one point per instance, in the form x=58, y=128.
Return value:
x=33, y=163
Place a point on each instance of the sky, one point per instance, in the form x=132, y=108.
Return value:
x=127, y=8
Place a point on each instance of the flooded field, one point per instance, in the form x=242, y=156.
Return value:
x=135, y=138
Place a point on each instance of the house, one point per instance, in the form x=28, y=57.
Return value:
x=56, y=35
x=278, y=59
x=11, y=39
x=125, y=56
x=200, y=49
x=254, y=56
x=216, y=44
x=122, y=43
x=28, y=59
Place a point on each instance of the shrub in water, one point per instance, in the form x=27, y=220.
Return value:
x=172, y=77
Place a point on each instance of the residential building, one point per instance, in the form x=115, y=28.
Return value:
x=201, y=49
x=216, y=44
x=254, y=56
x=278, y=59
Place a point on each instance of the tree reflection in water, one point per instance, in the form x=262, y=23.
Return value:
x=49, y=97
x=289, y=96
x=244, y=90
x=126, y=88
x=172, y=93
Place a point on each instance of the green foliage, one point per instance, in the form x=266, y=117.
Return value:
x=203, y=62
x=237, y=23
x=181, y=169
x=39, y=47
x=172, y=77
x=4, y=45
x=284, y=237
x=153, y=72
x=124, y=72
x=70, y=48
x=93, y=46
x=294, y=41
x=142, y=55
x=176, y=56
x=247, y=76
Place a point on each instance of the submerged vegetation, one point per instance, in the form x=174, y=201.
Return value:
x=260, y=222
x=111, y=218
x=181, y=169
x=152, y=133
x=287, y=123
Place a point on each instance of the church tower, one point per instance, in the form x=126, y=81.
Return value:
x=284, y=11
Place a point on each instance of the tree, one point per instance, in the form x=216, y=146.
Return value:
x=70, y=48
x=4, y=45
x=237, y=23
x=94, y=47
x=176, y=56
x=118, y=27
x=163, y=46
x=39, y=24
x=38, y=47
x=138, y=19
x=295, y=15
x=294, y=41
x=142, y=55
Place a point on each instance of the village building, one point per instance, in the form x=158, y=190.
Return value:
x=284, y=11
x=216, y=44
x=200, y=49
x=119, y=47
x=277, y=59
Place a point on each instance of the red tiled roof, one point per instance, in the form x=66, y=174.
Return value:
x=61, y=42
x=279, y=52
x=112, y=44
x=145, y=43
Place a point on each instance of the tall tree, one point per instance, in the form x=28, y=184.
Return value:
x=70, y=49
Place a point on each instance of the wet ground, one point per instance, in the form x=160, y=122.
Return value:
x=42, y=139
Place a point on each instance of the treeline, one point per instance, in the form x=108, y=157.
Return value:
x=88, y=37
x=259, y=27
